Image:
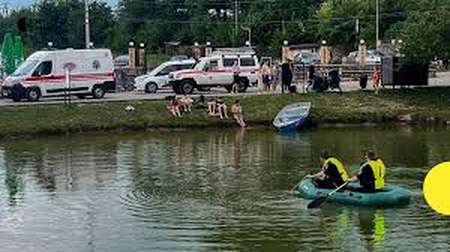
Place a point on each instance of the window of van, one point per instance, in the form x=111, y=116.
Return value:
x=245, y=62
x=25, y=68
x=229, y=62
x=45, y=68
x=213, y=64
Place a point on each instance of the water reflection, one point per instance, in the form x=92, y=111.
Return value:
x=209, y=190
x=373, y=228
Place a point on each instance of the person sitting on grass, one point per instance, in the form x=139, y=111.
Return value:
x=173, y=107
x=221, y=109
x=236, y=110
x=212, y=105
x=217, y=108
x=186, y=103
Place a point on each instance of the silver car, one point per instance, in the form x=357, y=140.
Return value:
x=159, y=77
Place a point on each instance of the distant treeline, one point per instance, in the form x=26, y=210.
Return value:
x=422, y=25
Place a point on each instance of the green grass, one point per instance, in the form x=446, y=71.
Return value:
x=352, y=107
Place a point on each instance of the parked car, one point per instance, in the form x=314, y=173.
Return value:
x=121, y=61
x=43, y=74
x=159, y=77
x=179, y=57
x=307, y=58
x=372, y=57
x=217, y=71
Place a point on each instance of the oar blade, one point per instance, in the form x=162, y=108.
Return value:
x=317, y=202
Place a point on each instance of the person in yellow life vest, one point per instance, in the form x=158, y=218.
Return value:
x=333, y=172
x=371, y=174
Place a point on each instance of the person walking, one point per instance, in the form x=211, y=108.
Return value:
x=311, y=72
x=266, y=72
x=236, y=79
x=286, y=76
x=335, y=80
x=276, y=76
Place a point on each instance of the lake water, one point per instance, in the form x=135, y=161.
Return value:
x=206, y=190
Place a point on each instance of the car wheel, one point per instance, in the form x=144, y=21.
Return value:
x=187, y=87
x=151, y=88
x=33, y=94
x=243, y=85
x=98, y=92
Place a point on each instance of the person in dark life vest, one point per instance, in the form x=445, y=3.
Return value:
x=333, y=172
x=371, y=174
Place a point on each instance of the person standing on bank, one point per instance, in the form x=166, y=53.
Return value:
x=236, y=79
x=266, y=71
x=333, y=172
x=376, y=78
x=286, y=76
x=371, y=174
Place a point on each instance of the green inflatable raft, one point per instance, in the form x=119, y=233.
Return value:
x=390, y=196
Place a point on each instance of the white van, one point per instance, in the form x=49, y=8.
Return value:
x=217, y=71
x=62, y=72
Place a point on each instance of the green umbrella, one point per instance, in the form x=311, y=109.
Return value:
x=8, y=60
x=19, y=55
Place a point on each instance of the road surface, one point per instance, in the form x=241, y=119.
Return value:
x=442, y=79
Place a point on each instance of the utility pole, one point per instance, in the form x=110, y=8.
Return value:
x=377, y=23
x=86, y=23
x=236, y=20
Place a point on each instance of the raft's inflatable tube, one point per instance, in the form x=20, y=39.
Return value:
x=390, y=196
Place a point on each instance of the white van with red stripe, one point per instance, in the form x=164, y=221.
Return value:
x=217, y=71
x=86, y=72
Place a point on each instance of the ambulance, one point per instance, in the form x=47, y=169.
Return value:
x=84, y=72
x=217, y=70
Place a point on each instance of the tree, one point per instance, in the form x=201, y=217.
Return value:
x=338, y=20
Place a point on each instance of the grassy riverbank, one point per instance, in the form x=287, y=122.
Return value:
x=418, y=105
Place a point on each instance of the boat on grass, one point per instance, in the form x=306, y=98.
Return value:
x=291, y=117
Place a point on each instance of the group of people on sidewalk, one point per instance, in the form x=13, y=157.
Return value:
x=317, y=81
x=270, y=75
x=333, y=174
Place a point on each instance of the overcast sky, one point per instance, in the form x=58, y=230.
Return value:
x=24, y=3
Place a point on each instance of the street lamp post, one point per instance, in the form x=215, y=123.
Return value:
x=249, y=30
x=377, y=24
x=236, y=20
x=86, y=23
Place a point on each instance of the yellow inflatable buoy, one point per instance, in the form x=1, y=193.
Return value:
x=436, y=188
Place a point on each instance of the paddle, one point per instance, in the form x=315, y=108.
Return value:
x=319, y=201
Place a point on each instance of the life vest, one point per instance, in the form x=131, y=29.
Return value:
x=339, y=165
x=378, y=170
